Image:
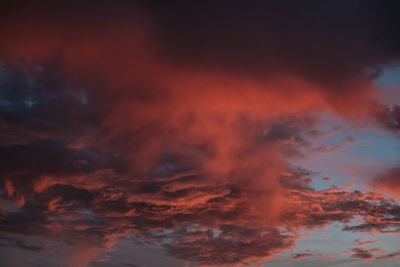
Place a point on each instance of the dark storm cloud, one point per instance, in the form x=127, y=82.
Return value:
x=330, y=42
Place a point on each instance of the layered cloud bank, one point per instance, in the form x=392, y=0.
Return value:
x=179, y=125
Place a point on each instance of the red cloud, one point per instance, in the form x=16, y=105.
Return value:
x=108, y=132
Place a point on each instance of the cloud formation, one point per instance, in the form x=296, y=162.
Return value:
x=142, y=119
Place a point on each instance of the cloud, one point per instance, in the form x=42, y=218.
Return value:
x=232, y=245
x=35, y=244
x=299, y=256
x=116, y=122
x=389, y=256
x=363, y=254
x=369, y=254
x=387, y=117
x=150, y=34
x=302, y=255
x=363, y=242
x=388, y=181
x=229, y=44
x=126, y=173
x=327, y=179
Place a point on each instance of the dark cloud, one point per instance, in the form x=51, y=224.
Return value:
x=232, y=244
x=299, y=256
x=333, y=42
x=387, y=117
x=38, y=99
x=370, y=254
x=174, y=122
x=22, y=245
x=362, y=254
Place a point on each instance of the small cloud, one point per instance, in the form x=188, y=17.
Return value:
x=327, y=179
x=349, y=140
x=363, y=242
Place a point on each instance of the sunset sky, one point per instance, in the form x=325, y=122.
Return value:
x=200, y=133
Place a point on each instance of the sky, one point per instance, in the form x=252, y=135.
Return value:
x=200, y=133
